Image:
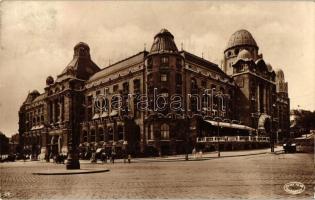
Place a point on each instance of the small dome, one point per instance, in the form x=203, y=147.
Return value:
x=244, y=55
x=241, y=38
x=82, y=49
x=269, y=67
x=35, y=92
x=163, y=41
x=280, y=74
x=49, y=80
x=82, y=44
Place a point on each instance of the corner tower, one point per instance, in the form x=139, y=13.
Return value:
x=164, y=65
x=163, y=72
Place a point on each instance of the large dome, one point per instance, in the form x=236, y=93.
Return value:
x=241, y=38
x=163, y=42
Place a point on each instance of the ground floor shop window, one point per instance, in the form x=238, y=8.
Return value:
x=165, y=132
x=110, y=134
x=93, y=135
x=85, y=136
x=101, y=134
x=120, y=130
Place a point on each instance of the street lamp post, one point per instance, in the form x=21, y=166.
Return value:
x=73, y=159
x=272, y=148
x=218, y=143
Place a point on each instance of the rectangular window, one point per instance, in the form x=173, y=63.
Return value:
x=178, y=79
x=126, y=87
x=163, y=77
x=164, y=60
x=115, y=88
x=164, y=94
x=149, y=63
x=203, y=83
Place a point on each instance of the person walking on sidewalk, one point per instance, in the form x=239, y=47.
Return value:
x=113, y=156
x=194, y=153
x=129, y=158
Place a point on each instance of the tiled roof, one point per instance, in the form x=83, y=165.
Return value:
x=241, y=37
x=163, y=42
x=201, y=61
x=139, y=57
x=40, y=97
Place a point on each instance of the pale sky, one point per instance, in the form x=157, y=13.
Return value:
x=37, y=39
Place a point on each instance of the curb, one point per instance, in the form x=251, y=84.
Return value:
x=71, y=172
x=204, y=158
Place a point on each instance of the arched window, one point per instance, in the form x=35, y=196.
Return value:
x=193, y=84
x=165, y=132
x=85, y=136
x=93, y=135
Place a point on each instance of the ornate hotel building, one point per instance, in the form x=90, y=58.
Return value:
x=248, y=98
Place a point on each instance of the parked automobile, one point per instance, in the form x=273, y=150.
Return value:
x=289, y=147
x=10, y=158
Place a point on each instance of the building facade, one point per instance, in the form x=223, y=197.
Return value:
x=160, y=101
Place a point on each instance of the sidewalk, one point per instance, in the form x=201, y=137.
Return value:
x=205, y=156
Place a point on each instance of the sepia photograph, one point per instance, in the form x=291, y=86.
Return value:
x=157, y=99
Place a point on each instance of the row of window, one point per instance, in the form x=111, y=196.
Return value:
x=164, y=132
x=34, y=121
x=164, y=62
x=125, y=87
x=103, y=103
x=102, y=136
x=194, y=86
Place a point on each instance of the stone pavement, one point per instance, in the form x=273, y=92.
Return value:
x=254, y=176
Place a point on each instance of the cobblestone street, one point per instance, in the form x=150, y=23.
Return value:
x=254, y=176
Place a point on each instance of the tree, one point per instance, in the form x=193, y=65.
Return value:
x=306, y=120
x=4, y=144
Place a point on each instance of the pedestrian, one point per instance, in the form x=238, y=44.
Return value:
x=104, y=157
x=129, y=158
x=194, y=153
x=93, y=159
x=113, y=157
x=200, y=154
x=125, y=157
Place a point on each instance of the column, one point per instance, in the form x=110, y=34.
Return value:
x=265, y=100
x=124, y=132
x=258, y=98
x=53, y=111
x=106, y=133
x=60, y=111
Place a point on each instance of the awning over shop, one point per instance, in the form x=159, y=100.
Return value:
x=113, y=113
x=229, y=125
x=104, y=114
x=96, y=116
x=262, y=121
